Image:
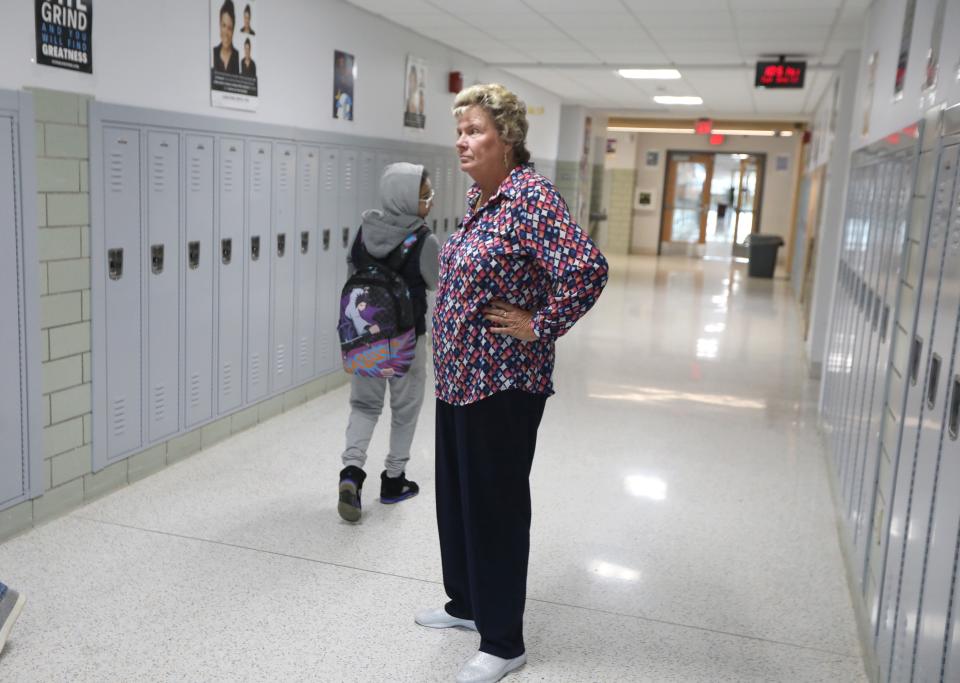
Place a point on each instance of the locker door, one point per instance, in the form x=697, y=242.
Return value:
x=162, y=338
x=258, y=250
x=13, y=467
x=121, y=225
x=437, y=175
x=449, y=200
x=199, y=261
x=916, y=470
x=230, y=258
x=328, y=270
x=307, y=248
x=284, y=246
x=938, y=443
x=349, y=215
x=368, y=183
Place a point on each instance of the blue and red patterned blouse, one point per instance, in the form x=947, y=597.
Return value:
x=521, y=246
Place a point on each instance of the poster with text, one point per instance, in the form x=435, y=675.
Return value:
x=344, y=79
x=233, y=63
x=64, y=34
x=413, y=93
x=902, y=58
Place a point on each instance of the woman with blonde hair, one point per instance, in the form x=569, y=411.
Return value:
x=514, y=277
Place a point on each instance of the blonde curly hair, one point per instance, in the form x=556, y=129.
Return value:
x=509, y=114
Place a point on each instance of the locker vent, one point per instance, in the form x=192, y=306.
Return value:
x=119, y=417
x=159, y=402
x=284, y=176
x=307, y=176
x=331, y=174
x=195, y=390
x=159, y=172
x=228, y=174
x=348, y=175
x=303, y=352
x=116, y=173
x=258, y=176
x=196, y=175
x=227, y=379
x=255, y=369
x=281, y=359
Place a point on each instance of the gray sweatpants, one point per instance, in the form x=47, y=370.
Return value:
x=366, y=404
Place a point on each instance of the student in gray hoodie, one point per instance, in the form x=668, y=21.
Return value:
x=406, y=195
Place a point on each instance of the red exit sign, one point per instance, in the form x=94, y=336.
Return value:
x=780, y=74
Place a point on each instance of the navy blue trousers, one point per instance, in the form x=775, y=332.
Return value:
x=484, y=454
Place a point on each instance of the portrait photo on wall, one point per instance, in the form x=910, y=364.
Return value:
x=233, y=66
x=344, y=80
x=414, y=87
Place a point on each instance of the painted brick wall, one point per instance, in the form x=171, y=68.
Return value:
x=620, y=211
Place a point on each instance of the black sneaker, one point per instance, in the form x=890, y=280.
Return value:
x=351, y=481
x=394, y=490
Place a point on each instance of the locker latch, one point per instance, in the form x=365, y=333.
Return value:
x=446, y=225
x=304, y=242
x=255, y=247
x=915, y=350
x=954, y=420
x=935, y=363
x=193, y=254
x=346, y=237
x=156, y=258
x=326, y=240
x=434, y=226
x=115, y=263
x=281, y=244
x=226, y=251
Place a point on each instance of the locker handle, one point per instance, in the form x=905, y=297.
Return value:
x=934, y=379
x=915, y=351
x=346, y=237
x=326, y=240
x=434, y=226
x=884, y=322
x=876, y=312
x=115, y=263
x=193, y=254
x=304, y=242
x=446, y=225
x=255, y=247
x=156, y=258
x=281, y=244
x=226, y=251
x=954, y=423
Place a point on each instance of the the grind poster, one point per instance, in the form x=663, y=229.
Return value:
x=64, y=34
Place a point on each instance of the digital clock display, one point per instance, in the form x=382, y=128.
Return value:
x=780, y=74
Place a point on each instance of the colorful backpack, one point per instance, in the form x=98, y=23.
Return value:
x=377, y=331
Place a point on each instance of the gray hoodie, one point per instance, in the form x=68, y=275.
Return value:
x=384, y=230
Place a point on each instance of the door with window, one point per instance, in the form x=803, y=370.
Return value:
x=687, y=200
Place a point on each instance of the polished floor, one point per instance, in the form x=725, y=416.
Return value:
x=683, y=527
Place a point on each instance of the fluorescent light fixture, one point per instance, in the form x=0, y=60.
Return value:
x=762, y=133
x=609, y=570
x=650, y=74
x=639, y=129
x=685, y=100
x=646, y=487
x=786, y=133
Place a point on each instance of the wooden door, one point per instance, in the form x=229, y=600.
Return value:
x=687, y=200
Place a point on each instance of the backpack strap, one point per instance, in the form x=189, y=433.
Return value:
x=398, y=259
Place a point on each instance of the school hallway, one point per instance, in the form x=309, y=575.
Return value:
x=683, y=527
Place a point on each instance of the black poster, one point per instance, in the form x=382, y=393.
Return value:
x=64, y=34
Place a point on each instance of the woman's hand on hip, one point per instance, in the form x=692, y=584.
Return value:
x=505, y=318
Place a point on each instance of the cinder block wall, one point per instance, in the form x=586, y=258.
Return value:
x=620, y=211
x=63, y=222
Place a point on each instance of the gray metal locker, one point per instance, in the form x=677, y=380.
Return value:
x=938, y=443
x=328, y=270
x=162, y=279
x=199, y=260
x=917, y=467
x=258, y=270
x=230, y=256
x=368, y=183
x=306, y=248
x=349, y=214
x=449, y=200
x=13, y=417
x=121, y=291
x=283, y=247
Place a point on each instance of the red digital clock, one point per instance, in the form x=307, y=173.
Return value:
x=781, y=74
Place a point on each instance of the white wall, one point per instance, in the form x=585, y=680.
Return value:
x=156, y=54
x=884, y=28
x=778, y=186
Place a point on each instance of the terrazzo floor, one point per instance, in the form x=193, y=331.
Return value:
x=683, y=527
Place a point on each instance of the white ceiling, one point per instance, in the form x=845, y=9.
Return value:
x=572, y=47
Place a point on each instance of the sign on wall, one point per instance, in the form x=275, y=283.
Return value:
x=64, y=34
x=344, y=78
x=904, y=55
x=233, y=64
x=414, y=90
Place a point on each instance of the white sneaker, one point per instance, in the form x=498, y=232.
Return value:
x=438, y=618
x=487, y=668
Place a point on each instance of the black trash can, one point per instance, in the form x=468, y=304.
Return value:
x=763, y=254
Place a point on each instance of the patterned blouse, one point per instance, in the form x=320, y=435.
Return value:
x=521, y=246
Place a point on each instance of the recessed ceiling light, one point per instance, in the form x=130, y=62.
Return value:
x=650, y=74
x=671, y=99
x=786, y=133
x=641, y=129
